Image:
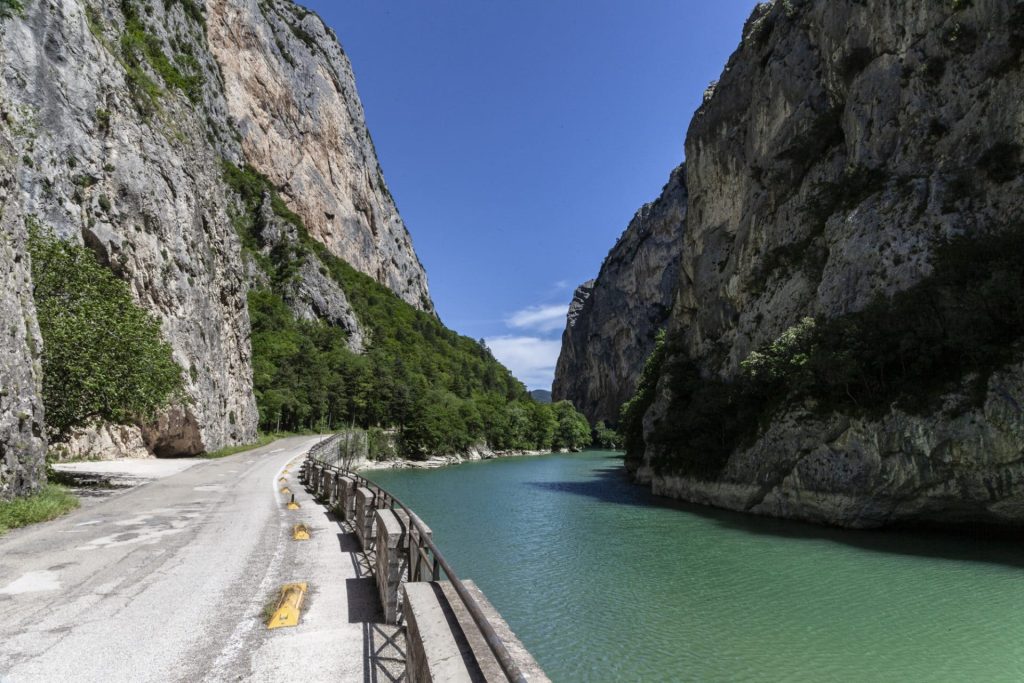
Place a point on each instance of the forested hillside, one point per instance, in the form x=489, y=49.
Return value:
x=391, y=366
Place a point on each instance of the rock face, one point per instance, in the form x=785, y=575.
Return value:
x=117, y=120
x=136, y=178
x=290, y=88
x=844, y=141
x=613, y=320
x=22, y=446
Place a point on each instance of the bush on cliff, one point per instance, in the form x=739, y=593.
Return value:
x=103, y=357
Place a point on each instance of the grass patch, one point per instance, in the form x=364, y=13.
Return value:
x=261, y=440
x=49, y=503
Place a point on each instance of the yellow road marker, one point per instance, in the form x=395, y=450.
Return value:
x=292, y=505
x=300, y=532
x=285, y=489
x=283, y=479
x=289, y=606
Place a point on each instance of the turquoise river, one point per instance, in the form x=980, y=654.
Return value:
x=604, y=582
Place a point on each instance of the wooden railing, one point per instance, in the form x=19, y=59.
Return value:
x=426, y=563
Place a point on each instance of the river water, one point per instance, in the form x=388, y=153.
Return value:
x=604, y=582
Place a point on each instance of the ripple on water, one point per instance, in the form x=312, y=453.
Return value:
x=603, y=582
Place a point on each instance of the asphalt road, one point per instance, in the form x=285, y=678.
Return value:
x=168, y=582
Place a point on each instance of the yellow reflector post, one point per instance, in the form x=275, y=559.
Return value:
x=289, y=606
x=292, y=505
x=285, y=489
x=300, y=532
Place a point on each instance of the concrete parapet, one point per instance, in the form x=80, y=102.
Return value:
x=434, y=651
x=346, y=505
x=394, y=552
x=322, y=483
x=443, y=643
x=481, y=651
x=364, y=520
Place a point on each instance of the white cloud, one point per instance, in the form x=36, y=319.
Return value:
x=531, y=359
x=539, y=318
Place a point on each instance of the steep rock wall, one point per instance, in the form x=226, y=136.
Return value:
x=290, y=89
x=844, y=141
x=613, y=320
x=136, y=176
x=120, y=117
x=22, y=443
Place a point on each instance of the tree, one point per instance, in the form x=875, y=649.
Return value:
x=606, y=437
x=573, y=430
x=104, y=359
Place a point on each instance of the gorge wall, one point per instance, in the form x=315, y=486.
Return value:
x=613, y=320
x=116, y=121
x=845, y=143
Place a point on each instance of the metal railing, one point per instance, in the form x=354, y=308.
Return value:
x=426, y=552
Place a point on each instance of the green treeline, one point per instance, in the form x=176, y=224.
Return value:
x=964, y=321
x=442, y=392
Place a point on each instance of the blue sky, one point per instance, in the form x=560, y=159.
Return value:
x=519, y=138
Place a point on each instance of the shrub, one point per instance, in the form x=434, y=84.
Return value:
x=11, y=8
x=103, y=357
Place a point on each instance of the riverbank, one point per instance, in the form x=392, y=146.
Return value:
x=437, y=461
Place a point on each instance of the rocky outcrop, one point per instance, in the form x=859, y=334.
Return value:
x=843, y=143
x=22, y=444
x=312, y=294
x=120, y=117
x=613, y=320
x=291, y=91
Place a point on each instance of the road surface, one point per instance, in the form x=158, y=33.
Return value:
x=169, y=582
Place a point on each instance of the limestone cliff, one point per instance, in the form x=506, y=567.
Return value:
x=117, y=120
x=845, y=142
x=22, y=446
x=613, y=320
x=290, y=89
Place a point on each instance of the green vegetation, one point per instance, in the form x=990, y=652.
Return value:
x=632, y=414
x=261, y=440
x=11, y=8
x=441, y=392
x=606, y=437
x=104, y=359
x=192, y=10
x=962, y=322
x=48, y=503
x=140, y=49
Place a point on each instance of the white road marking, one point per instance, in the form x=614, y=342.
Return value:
x=210, y=487
x=32, y=582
